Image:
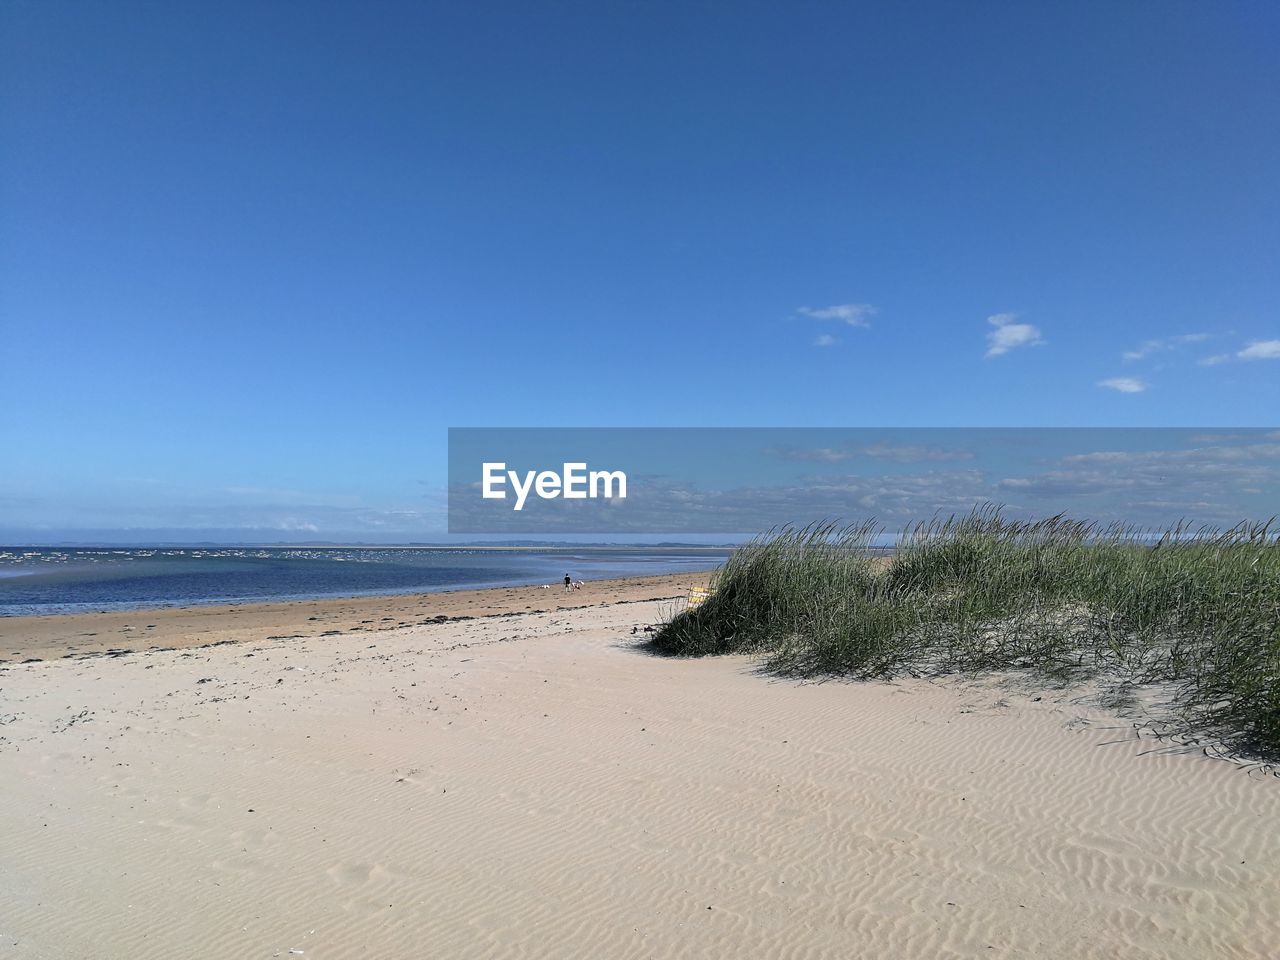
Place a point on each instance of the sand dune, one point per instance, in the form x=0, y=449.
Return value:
x=533, y=786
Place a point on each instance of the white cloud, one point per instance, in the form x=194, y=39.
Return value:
x=1125, y=384
x=911, y=454
x=854, y=314
x=1165, y=458
x=1155, y=485
x=875, y=451
x=1148, y=347
x=296, y=525
x=1261, y=350
x=825, y=340
x=1254, y=350
x=1009, y=335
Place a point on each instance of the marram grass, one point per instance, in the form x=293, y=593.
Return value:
x=1198, y=609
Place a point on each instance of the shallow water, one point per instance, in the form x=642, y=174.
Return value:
x=42, y=581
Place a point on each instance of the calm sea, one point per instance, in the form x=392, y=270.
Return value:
x=40, y=581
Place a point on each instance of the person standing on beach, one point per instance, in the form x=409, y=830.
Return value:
x=568, y=583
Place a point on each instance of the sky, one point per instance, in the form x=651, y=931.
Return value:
x=256, y=259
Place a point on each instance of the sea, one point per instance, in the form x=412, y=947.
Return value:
x=41, y=580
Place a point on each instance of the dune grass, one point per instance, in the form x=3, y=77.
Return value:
x=1198, y=610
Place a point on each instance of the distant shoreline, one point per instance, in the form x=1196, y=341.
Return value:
x=511, y=548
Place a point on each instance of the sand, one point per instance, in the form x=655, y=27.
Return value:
x=534, y=786
x=44, y=638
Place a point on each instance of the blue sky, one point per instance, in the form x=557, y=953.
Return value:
x=255, y=259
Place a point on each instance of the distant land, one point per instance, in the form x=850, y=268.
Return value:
x=361, y=545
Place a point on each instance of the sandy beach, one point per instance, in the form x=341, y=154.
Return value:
x=530, y=783
x=50, y=637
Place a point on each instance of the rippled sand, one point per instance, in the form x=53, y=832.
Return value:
x=533, y=786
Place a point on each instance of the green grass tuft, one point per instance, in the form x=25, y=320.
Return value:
x=1198, y=609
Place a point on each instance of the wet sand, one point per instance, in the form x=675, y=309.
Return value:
x=51, y=637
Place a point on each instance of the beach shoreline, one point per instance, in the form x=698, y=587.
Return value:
x=52, y=636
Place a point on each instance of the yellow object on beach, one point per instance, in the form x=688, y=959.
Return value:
x=697, y=595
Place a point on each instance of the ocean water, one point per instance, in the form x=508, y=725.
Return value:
x=43, y=581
